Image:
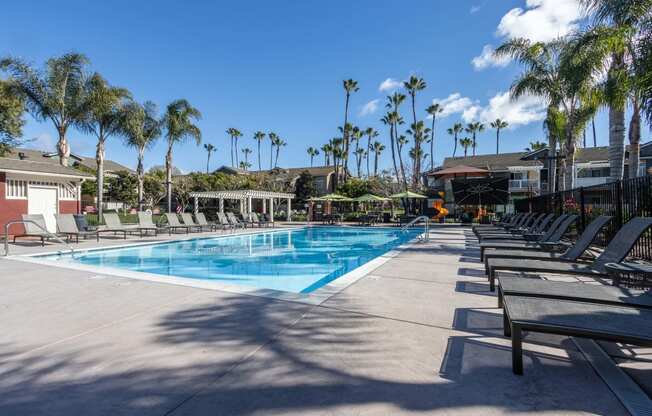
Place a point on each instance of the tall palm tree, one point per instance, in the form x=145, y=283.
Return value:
x=414, y=85
x=359, y=155
x=474, y=129
x=356, y=136
x=209, y=149
x=103, y=116
x=466, y=142
x=337, y=144
x=231, y=132
x=613, y=41
x=371, y=133
x=246, y=152
x=417, y=130
x=179, y=121
x=259, y=136
x=388, y=120
x=244, y=165
x=534, y=146
x=498, y=124
x=377, y=148
x=401, y=141
x=312, y=152
x=350, y=86
x=55, y=94
x=236, y=135
x=433, y=110
x=327, y=150
x=273, y=138
x=141, y=127
x=394, y=102
x=278, y=143
x=455, y=131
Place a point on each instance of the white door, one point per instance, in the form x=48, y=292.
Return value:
x=43, y=200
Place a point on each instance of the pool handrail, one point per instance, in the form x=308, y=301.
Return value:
x=426, y=220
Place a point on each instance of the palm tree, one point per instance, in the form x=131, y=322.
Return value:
x=377, y=149
x=394, y=102
x=433, y=110
x=534, y=146
x=413, y=85
x=350, y=86
x=55, y=94
x=273, y=138
x=179, y=121
x=278, y=143
x=244, y=165
x=327, y=150
x=236, y=135
x=231, y=132
x=359, y=155
x=356, y=136
x=498, y=124
x=141, y=127
x=209, y=149
x=246, y=152
x=473, y=129
x=388, y=120
x=466, y=142
x=454, y=131
x=259, y=136
x=312, y=152
x=613, y=41
x=103, y=117
x=370, y=132
x=401, y=141
x=337, y=144
x=417, y=130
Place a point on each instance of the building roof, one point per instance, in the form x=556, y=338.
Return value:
x=314, y=171
x=457, y=170
x=39, y=167
x=29, y=157
x=109, y=165
x=491, y=162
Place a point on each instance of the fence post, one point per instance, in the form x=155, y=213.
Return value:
x=582, y=210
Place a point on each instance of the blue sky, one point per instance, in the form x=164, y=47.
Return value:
x=278, y=66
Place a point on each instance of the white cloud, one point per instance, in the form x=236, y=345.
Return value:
x=475, y=9
x=369, y=108
x=540, y=21
x=521, y=111
x=487, y=59
x=389, y=84
x=452, y=104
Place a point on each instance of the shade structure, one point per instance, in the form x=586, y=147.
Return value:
x=370, y=198
x=408, y=195
x=481, y=191
x=332, y=198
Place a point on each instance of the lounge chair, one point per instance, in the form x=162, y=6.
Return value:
x=174, y=224
x=32, y=230
x=518, y=233
x=517, y=221
x=66, y=225
x=248, y=219
x=573, y=253
x=267, y=219
x=224, y=221
x=550, y=239
x=113, y=223
x=201, y=220
x=234, y=221
x=146, y=223
x=581, y=292
x=256, y=220
x=624, y=324
x=506, y=220
x=619, y=247
x=186, y=219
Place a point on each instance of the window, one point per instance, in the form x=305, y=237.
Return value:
x=593, y=173
x=16, y=189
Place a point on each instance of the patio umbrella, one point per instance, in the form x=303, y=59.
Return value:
x=370, y=198
x=408, y=195
x=333, y=198
x=482, y=191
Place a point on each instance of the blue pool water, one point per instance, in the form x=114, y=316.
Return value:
x=299, y=261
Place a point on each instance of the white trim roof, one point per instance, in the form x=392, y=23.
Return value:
x=241, y=194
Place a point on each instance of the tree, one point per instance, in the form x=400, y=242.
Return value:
x=273, y=138
x=12, y=107
x=371, y=133
x=401, y=141
x=154, y=190
x=244, y=165
x=122, y=188
x=209, y=149
x=103, y=105
x=418, y=131
x=234, y=134
x=179, y=121
x=454, y=131
x=474, y=129
x=433, y=110
x=259, y=136
x=327, y=150
x=498, y=124
x=141, y=127
x=278, y=143
x=359, y=155
x=312, y=152
x=246, y=152
x=414, y=85
x=535, y=146
x=377, y=149
x=356, y=136
x=55, y=94
x=350, y=86
x=304, y=187
x=388, y=120
x=466, y=142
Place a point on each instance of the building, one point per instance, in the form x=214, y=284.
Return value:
x=33, y=182
x=528, y=174
x=323, y=175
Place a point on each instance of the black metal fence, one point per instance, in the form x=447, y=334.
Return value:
x=622, y=199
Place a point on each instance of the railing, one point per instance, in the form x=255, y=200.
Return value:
x=623, y=200
x=426, y=222
x=523, y=183
x=39, y=226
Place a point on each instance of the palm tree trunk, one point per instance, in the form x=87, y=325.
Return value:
x=569, y=173
x=432, y=144
x=345, y=136
x=455, y=148
x=417, y=143
x=634, y=139
x=367, y=157
x=232, y=158
x=237, y=157
x=99, y=159
x=278, y=149
x=62, y=146
x=474, y=143
x=617, y=131
x=375, y=163
x=595, y=140
x=497, y=141
x=271, y=157
x=552, y=164
x=140, y=171
x=208, y=161
x=259, y=165
x=391, y=140
x=311, y=158
x=168, y=176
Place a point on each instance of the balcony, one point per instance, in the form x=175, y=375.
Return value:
x=523, y=184
x=590, y=181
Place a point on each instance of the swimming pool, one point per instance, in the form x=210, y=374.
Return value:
x=299, y=261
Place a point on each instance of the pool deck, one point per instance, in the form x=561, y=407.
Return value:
x=420, y=334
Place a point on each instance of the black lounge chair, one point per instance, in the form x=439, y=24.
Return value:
x=174, y=224
x=517, y=233
x=573, y=253
x=550, y=239
x=618, y=248
x=623, y=324
x=518, y=222
x=582, y=292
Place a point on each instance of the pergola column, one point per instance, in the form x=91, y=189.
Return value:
x=242, y=211
x=249, y=210
x=195, y=207
x=289, y=217
x=264, y=206
x=221, y=205
x=271, y=208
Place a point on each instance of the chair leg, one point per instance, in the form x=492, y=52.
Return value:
x=517, y=350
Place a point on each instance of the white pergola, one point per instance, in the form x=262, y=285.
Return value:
x=245, y=197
